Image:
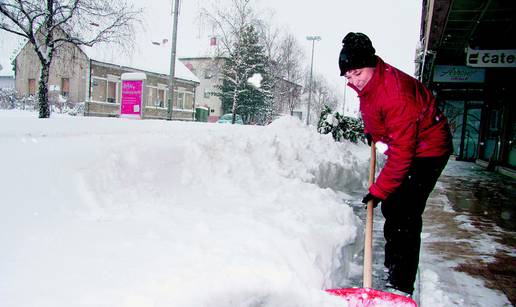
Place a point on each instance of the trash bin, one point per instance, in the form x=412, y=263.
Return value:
x=201, y=114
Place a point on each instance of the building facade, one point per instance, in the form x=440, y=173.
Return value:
x=78, y=78
x=469, y=62
x=209, y=72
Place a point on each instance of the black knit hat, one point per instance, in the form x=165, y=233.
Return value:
x=357, y=52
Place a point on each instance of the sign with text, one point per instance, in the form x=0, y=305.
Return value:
x=131, y=105
x=460, y=74
x=491, y=58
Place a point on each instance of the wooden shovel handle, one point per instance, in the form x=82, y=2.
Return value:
x=368, y=248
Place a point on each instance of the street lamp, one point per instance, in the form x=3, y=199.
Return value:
x=175, y=13
x=313, y=39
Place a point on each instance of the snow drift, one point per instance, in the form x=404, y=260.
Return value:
x=113, y=212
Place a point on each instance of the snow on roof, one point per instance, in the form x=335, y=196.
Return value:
x=145, y=56
x=6, y=69
x=133, y=76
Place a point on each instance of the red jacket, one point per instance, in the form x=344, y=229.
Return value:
x=402, y=113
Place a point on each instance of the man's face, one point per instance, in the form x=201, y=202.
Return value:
x=360, y=76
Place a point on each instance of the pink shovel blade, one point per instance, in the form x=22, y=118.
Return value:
x=365, y=297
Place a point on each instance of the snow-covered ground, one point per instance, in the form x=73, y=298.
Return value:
x=116, y=212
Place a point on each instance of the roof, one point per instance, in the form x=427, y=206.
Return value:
x=152, y=58
x=452, y=26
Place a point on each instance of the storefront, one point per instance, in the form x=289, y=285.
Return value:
x=472, y=73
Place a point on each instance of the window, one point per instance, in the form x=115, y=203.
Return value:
x=32, y=86
x=65, y=87
x=207, y=94
x=98, y=92
x=180, y=100
x=156, y=97
x=183, y=99
x=111, y=92
x=104, y=90
x=151, y=96
x=188, y=101
x=161, y=98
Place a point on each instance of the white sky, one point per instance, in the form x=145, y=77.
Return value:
x=392, y=25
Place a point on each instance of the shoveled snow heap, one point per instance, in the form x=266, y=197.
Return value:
x=114, y=212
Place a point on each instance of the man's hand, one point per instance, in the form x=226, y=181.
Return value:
x=369, y=197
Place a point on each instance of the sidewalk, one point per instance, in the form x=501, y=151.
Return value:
x=468, y=240
x=468, y=252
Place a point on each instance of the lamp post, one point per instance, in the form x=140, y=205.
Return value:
x=313, y=39
x=175, y=13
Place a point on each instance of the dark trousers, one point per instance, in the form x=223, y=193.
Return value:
x=403, y=212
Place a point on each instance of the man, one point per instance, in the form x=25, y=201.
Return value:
x=401, y=113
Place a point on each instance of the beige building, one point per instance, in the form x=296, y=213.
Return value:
x=209, y=72
x=91, y=76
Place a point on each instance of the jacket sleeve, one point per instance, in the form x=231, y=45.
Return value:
x=401, y=125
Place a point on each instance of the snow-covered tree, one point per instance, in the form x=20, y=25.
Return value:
x=241, y=45
x=53, y=24
x=341, y=127
x=237, y=94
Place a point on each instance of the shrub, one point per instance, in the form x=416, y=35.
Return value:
x=341, y=127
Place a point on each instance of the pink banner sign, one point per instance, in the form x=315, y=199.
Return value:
x=131, y=98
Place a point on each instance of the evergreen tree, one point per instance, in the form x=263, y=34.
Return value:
x=341, y=127
x=237, y=95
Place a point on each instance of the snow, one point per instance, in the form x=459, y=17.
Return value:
x=255, y=80
x=119, y=212
x=116, y=212
x=133, y=76
x=149, y=57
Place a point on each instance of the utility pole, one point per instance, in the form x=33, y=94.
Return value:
x=175, y=13
x=313, y=39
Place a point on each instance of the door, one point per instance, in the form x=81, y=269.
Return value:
x=471, y=134
x=464, y=119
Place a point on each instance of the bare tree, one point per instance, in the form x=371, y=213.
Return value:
x=290, y=60
x=322, y=94
x=53, y=24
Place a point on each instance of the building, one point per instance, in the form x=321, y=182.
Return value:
x=209, y=70
x=468, y=59
x=91, y=76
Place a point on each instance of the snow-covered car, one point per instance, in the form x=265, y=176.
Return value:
x=228, y=119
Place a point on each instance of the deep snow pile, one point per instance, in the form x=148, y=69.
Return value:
x=114, y=212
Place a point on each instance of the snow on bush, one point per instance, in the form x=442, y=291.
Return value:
x=341, y=127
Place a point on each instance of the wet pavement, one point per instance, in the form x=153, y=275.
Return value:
x=469, y=231
x=470, y=225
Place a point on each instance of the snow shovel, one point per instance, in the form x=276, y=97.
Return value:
x=366, y=296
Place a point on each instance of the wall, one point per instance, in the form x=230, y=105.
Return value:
x=68, y=62
x=105, y=93
x=209, y=72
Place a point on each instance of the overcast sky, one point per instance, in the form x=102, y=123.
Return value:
x=392, y=25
